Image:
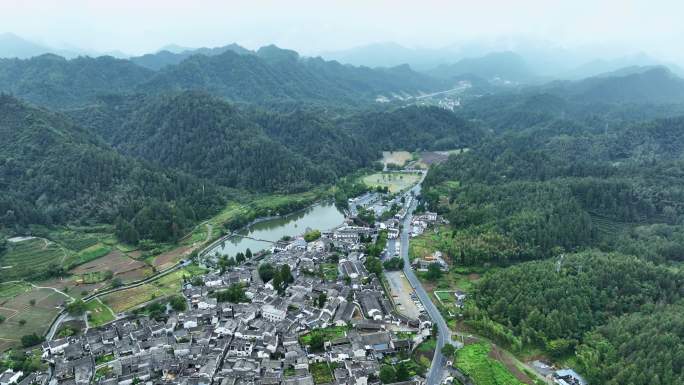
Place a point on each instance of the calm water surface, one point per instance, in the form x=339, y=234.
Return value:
x=322, y=216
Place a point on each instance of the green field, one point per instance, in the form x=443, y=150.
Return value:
x=395, y=181
x=429, y=242
x=78, y=239
x=98, y=313
x=321, y=372
x=89, y=254
x=445, y=296
x=474, y=361
x=13, y=289
x=29, y=259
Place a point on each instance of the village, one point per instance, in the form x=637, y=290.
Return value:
x=325, y=307
x=278, y=317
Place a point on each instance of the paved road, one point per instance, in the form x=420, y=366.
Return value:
x=436, y=372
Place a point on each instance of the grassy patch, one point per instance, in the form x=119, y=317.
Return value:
x=330, y=271
x=445, y=296
x=428, y=345
x=99, y=314
x=103, y=359
x=103, y=372
x=321, y=372
x=329, y=333
x=474, y=361
x=422, y=355
x=406, y=335
x=427, y=243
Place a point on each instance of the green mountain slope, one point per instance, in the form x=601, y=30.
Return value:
x=205, y=136
x=53, y=81
x=54, y=172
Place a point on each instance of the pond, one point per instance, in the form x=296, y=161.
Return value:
x=321, y=216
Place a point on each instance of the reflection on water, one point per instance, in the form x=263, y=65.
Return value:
x=322, y=216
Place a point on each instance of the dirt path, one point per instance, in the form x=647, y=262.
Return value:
x=53, y=289
x=42, y=287
x=209, y=231
x=107, y=307
x=510, y=364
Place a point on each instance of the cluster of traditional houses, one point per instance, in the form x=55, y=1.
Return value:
x=255, y=341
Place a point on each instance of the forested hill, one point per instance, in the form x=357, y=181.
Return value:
x=269, y=75
x=319, y=138
x=261, y=150
x=273, y=74
x=580, y=207
x=652, y=85
x=163, y=58
x=414, y=128
x=208, y=137
x=54, y=172
x=53, y=81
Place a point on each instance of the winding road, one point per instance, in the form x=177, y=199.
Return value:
x=436, y=372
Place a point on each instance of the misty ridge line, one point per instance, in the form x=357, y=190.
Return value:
x=527, y=62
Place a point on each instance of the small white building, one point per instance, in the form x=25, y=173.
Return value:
x=272, y=313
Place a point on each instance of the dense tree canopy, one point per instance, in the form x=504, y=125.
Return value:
x=562, y=298
x=643, y=348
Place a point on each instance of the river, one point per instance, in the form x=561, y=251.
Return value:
x=321, y=216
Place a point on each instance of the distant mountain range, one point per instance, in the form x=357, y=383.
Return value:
x=392, y=54
x=274, y=75
x=499, y=67
x=521, y=62
x=268, y=75
x=640, y=85
x=13, y=46
x=529, y=60
x=172, y=55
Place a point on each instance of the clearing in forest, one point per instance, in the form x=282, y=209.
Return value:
x=396, y=157
x=395, y=181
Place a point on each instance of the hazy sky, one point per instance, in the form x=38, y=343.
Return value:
x=137, y=26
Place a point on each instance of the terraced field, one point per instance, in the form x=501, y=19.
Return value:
x=165, y=286
x=26, y=310
x=30, y=258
